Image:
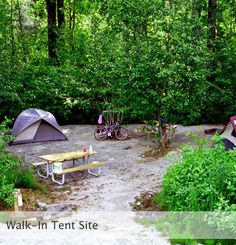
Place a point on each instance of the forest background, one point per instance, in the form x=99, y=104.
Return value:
x=144, y=58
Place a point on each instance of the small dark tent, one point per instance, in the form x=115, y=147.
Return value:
x=35, y=125
x=228, y=134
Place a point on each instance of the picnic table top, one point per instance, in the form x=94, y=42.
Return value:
x=66, y=156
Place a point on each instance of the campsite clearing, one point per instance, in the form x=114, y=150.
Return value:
x=106, y=199
x=125, y=175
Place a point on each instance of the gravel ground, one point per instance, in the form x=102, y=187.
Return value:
x=124, y=176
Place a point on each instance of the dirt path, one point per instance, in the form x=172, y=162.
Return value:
x=125, y=175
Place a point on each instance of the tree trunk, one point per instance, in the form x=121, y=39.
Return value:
x=52, y=35
x=196, y=13
x=211, y=39
x=21, y=33
x=73, y=17
x=13, y=51
x=60, y=13
x=197, y=9
x=212, y=22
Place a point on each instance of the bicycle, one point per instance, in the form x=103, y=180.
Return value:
x=114, y=130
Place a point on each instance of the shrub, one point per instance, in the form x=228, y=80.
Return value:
x=5, y=137
x=204, y=179
x=26, y=179
x=12, y=175
x=8, y=176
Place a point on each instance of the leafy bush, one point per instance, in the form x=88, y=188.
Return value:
x=5, y=137
x=8, y=176
x=12, y=175
x=204, y=179
x=26, y=179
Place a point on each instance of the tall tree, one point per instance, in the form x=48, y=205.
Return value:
x=60, y=13
x=52, y=32
x=13, y=51
x=212, y=21
x=21, y=31
x=212, y=37
x=56, y=20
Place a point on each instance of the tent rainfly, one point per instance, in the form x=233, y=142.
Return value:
x=228, y=134
x=35, y=125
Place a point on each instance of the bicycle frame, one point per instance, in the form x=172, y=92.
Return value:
x=111, y=129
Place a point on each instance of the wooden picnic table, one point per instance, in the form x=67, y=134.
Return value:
x=52, y=161
x=67, y=156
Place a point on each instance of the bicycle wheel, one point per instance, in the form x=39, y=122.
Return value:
x=121, y=133
x=100, y=133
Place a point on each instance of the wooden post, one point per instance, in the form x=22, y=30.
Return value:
x=17, y=199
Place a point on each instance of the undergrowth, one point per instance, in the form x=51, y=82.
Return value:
x=12, y=174
x=202, y=179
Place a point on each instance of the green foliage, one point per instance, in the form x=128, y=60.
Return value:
x=8, y=176
x=202, y=180
x=147, y=58
x=26, y=179
x=5, y=136
x=205, y=242
x=12, y=175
